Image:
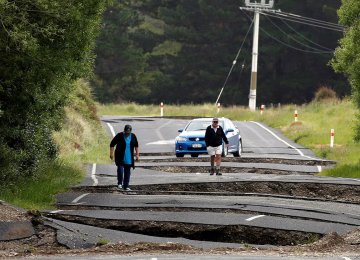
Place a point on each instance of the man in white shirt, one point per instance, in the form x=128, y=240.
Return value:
x=214, y=137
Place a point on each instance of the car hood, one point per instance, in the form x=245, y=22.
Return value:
x=193, y=134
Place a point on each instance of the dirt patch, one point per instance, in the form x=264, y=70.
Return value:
x=44, y=239
x=303, y=190
x=224, y=169
x=247, y=160
x=11, y=214
x=320, y=191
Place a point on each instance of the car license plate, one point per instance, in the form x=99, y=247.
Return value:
x=196, y=146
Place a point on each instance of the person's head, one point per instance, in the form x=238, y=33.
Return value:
x=215, y=122
x=127, y=129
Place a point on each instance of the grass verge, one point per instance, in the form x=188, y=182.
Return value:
x=38, y=191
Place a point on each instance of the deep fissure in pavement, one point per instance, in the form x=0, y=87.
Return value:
x=246, y=160
x=224, y=169
x=309, y=190
x=192, y=209
x=202, y=232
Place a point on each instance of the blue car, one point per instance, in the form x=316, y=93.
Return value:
x=192, y=138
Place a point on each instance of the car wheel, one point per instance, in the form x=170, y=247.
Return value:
x=238, y=152
x=179, y=155
x=194, y=155
x=225, y=151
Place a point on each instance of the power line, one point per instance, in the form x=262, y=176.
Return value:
x=295, y=48
x=323, y=26
x=291, y=37
x=316, y=21
x=304, y=37
x=288, y=45
x=234, y=62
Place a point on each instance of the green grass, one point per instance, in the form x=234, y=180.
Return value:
x=38, y=192
x=315, y=121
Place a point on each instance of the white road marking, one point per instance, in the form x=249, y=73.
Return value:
x=255, y=217
x=79, y=198
x=55, y=211
x=93, y=176
x=111, y=129
x=162, y=142
x=346, y=258
x=157, y=130
x=277, y=137
x=319, y=168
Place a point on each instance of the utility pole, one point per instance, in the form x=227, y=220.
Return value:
x=256, y=6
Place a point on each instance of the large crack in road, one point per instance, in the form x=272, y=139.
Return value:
x=216, y=233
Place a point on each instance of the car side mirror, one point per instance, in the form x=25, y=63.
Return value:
x=229, y=130
x=180, y=130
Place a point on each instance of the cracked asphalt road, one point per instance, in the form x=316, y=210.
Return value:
x=100, y=203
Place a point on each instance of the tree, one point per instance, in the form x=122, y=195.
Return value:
x=347, y=56
x=44, y=46
x=180, y=51
x=121, y=66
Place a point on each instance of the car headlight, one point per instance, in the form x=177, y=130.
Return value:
x=180, y=139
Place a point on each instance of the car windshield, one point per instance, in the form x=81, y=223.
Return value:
x=199, y=125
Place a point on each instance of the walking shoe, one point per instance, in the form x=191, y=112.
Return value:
x=218, y=172
x=212, y=171
x=127, y=189
x=119, y=186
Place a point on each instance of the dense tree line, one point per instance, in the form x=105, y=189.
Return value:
x=44, y=46
x=347, y=55
x=180, y=51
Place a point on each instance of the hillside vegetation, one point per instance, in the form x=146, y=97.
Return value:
x=81, y=140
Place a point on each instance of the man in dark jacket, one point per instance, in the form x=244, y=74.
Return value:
x=214, y=136
x=125, y=142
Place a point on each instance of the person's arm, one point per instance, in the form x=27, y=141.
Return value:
x=207, y=137
x=112, y=144
x=112, y=153
x=136, y=146
x=137, y=154
x=224, y=136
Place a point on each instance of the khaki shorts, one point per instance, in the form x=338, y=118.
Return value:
x=214, y=150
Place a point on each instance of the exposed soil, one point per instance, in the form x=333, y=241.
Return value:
x=247, y=160
x=43, y=241
x=10, y=214
x=224, y=169
x=304, y=190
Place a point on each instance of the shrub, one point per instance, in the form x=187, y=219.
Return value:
x=325, y=93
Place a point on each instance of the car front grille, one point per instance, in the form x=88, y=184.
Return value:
x=196, y=139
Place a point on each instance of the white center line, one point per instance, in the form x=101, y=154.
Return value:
x=93, y=176
x=157, y=130
x=111, y=129
x=55, y=211
x=79, y=198
x=255, y=217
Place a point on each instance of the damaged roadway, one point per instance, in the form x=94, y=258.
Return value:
x=257, y=201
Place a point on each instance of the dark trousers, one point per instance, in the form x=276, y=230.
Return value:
x=123, y=175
